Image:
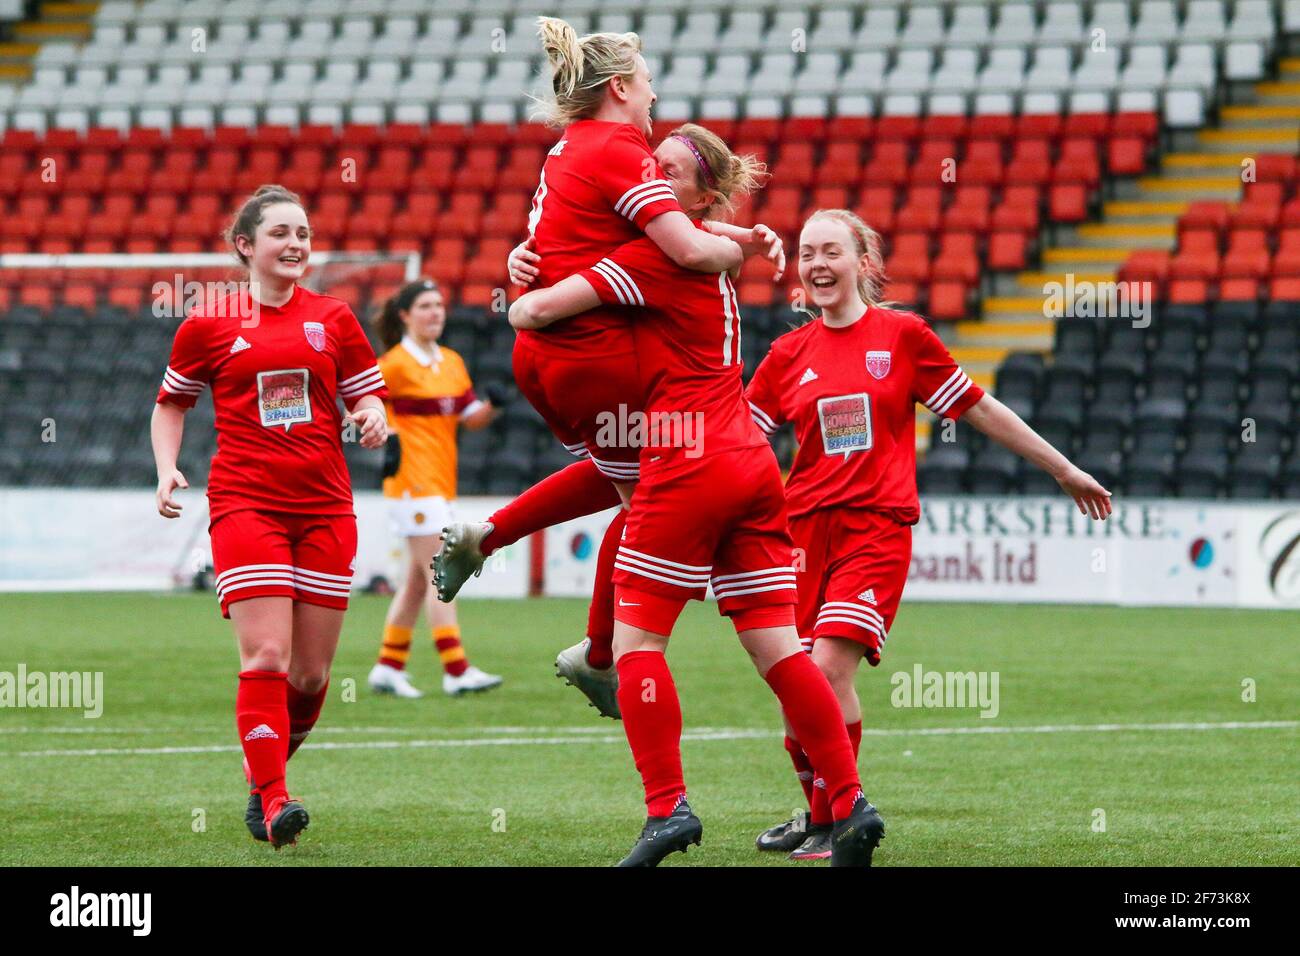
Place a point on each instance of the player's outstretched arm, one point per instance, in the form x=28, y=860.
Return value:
x=165, y=431
x=1010, y=431
x=758, y=240
x=539, y=308
x=693, y=248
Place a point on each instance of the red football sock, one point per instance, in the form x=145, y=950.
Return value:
x=816, y=719
x=262, y=716
x=803, y=767
x=600, y=619
x=572, y=492
x=820, y=805
x=652, y=720
x=304, y=711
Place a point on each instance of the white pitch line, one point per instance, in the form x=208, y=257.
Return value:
x=697, y=735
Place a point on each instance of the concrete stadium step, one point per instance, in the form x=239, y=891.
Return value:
x=1245, y=141
x=1259, y=117
x=1190, y=188
x=1143, y=212
x=56, y=22
x=1124, y=235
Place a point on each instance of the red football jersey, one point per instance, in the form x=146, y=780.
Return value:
x=851, y=394
x=275, y=376
x=688, y=350
x=600, y=187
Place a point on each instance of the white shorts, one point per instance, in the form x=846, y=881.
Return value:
x=415, y=517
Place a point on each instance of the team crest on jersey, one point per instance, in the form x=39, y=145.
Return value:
x=878, y=364
x=315, y=333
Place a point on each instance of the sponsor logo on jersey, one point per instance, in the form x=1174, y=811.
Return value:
x=808, y=376
x=869, y=595
x=878, y=364
x=240, y=344
x=315, y=333
x=846, y=423
x=283, y=397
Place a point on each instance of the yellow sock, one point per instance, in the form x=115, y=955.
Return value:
x=397, y=646
x=450, y=649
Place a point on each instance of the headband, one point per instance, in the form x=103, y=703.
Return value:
x=704, y=166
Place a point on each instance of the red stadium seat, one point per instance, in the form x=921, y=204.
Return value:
x=1126, y=156
x=1238, y=290
x=1068, y=202
x=1187, y=292
x=948, y=301
x=857, y=129
x=1007, y=251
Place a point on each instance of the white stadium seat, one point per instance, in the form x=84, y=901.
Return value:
x=1244, y=60
x=1204, y=20
x=1194, y=65
x=970, y=24
x=1184, y=109
x=1062, y=23
x=1146, y=67
x=1157, y=22
x=1005, y=69
x=819, y=75
x=1051, y=69
x=775, y=74
x=957, y=71
x=1098, y=69
x=924, y=27
x=911, y=72
x=834, y=31
x=1113, y=18
x=781, y=34
x=880, y=29
x=1016, y=24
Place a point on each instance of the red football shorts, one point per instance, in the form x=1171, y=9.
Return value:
x=851, y=566
x=585, y=402
x=309, y=558
x=716, y=520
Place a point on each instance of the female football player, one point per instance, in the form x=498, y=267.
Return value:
x=600, y=187
x=709, y=509
x=849, y=381
x=284, y=538
x=429, y=396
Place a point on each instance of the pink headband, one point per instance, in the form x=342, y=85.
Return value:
x=704, y=166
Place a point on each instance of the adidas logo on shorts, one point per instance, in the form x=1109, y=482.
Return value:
x=261, y=731
x=868, y=595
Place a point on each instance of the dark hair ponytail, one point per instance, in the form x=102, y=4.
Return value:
x=388, y=322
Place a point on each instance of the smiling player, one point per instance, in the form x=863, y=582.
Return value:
x=284, y=534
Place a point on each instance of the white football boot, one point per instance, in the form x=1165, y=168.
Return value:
x=600, y=686
x=460, y=558
x=470, y=682
x=385, y=679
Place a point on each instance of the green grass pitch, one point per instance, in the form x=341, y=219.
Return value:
x=528, y=775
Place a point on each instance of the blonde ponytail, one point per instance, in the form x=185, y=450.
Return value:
x=580, y=68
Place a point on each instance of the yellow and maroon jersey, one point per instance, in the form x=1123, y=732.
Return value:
x=428, y=395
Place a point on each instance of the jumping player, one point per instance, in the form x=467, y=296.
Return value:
x=430, y=396
x=600, y=187
x=284, y=535
x=707, y=468
x=849, y=381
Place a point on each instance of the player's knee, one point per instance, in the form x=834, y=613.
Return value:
x=311, y=680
